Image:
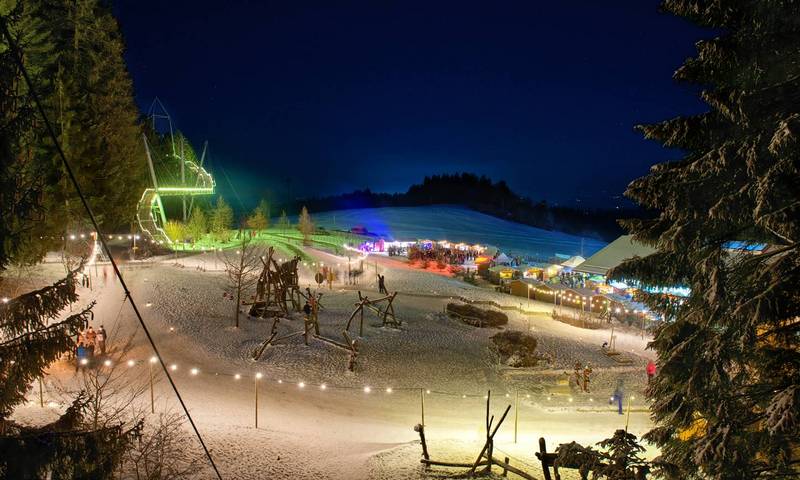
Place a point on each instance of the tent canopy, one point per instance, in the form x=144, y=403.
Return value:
x=614, y=254
x=573, y=262
x=502, y=259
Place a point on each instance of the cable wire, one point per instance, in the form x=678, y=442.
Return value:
x=17, y=54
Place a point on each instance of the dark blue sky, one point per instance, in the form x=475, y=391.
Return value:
x=380, y=94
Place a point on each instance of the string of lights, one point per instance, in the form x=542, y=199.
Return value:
x=194, y=372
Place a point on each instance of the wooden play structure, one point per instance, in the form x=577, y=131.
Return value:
x=485, y=458
x=610, y=350
x=384, y=311
x=277, y=290
x=310, y=330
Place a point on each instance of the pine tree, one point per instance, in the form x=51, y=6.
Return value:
x=222, y=220
x=34, y=335
x=198, y=225
x=73, y=51
x=34, y=329
x=257, y=220
x=305, y=225
x=727, y=396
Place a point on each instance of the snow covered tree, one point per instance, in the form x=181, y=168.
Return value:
x=305, y=225
x=617, y=459
x=221, y=220
x=727, y=397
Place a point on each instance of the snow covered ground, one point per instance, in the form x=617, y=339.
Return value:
x=458, y=224
x=342, y=431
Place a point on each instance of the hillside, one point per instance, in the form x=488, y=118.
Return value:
x=480, y=193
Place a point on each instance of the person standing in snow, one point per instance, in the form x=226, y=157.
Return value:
x=617, y=397
x=81, y=354
x=91, y=338
x=651, y=371
x=587, y=372
x=101, y=340
x=382, y=285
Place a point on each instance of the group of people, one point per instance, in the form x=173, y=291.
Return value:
x=582, y=376
x=89, y=343
x=572, y=279
x=448, y=256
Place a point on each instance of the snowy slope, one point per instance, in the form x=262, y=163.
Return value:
x=458, y=224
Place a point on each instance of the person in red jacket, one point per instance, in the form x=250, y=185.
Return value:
x=651, y=371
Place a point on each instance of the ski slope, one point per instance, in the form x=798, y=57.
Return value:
x=458, y=224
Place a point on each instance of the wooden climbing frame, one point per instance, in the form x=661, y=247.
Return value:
x=310, y=329
x=384, y=311
x=277, y=290
x=485, y=458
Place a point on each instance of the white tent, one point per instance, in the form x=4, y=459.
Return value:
x=573, y=262
x=502, y=259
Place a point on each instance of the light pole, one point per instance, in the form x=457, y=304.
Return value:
x=152, y=399
x=530, y=287
x=255, y=387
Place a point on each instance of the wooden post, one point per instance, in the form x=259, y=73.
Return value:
x=421, y=430
x=628, y=416
x=152, y=398
x=422, y=404
x=516, y=416
x=361, y=323
x=543, y=458
x=255, y=388
x=505, y=467
x=41, y=397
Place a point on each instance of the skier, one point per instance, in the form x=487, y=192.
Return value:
x=382, y=285
x=101, y=340
x=651, y=371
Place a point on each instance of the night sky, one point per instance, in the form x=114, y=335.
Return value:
x=379, y=94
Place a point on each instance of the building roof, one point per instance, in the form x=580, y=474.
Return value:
x=501, y=268
x=614, y=254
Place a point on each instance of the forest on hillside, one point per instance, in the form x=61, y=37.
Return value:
x=482, y=194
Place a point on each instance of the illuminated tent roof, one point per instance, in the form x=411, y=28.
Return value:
x=573, y=262
x=614, y=254
x=502, y=259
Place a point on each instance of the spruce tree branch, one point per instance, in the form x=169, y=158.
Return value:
x=68, y=322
